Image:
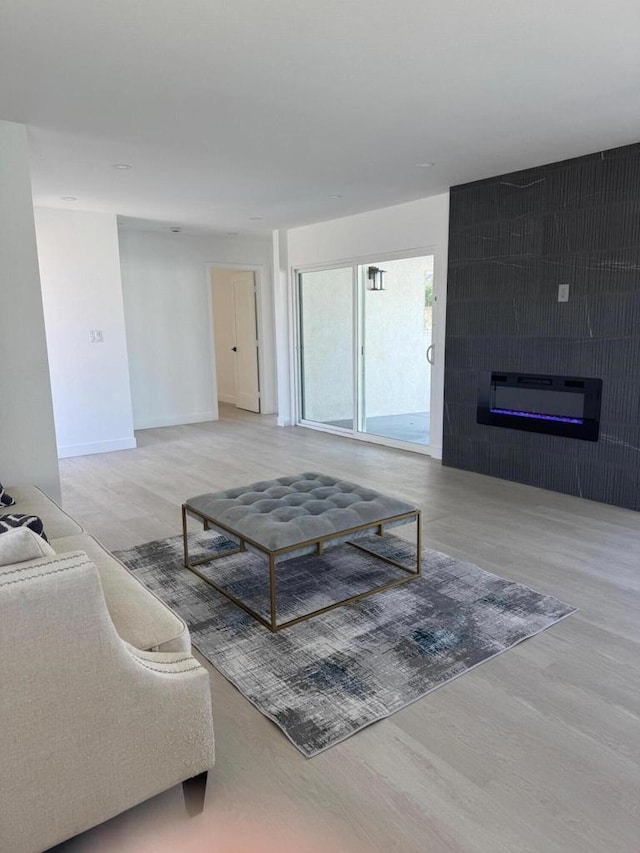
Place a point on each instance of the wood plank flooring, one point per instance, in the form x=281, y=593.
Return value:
x=537, y=750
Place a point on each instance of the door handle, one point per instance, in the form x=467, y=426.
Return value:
x=234, y=349
x=429, y=353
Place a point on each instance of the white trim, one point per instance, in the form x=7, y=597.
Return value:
x=293, y=322
x=227, y=398
x=69, y=450
x=295, y=362
x=177, y=420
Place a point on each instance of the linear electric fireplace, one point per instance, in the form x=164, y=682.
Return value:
x=559, y=405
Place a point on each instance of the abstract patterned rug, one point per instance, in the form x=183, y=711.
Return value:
x=323, y=680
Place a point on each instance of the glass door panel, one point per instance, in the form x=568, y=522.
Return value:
x=396, y=352
x=326, y=346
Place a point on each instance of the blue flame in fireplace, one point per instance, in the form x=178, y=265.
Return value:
x=537, y=416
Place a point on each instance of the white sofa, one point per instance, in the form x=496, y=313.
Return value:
x=102, y=704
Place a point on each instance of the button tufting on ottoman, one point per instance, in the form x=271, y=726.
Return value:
x=295, y=515
x=291, y=510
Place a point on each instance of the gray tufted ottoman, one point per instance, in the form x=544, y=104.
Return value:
x=296, y=515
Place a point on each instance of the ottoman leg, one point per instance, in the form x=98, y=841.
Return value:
x=273, y=594
x=185, y=542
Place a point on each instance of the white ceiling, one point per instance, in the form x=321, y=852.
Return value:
x=229, y=109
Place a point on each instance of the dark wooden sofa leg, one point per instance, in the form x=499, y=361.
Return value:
x=194, y=790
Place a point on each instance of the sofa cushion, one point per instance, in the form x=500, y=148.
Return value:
x=13, y=520
x=22, y=544
x=5, y=498
x=31, y=501
x=139, y=617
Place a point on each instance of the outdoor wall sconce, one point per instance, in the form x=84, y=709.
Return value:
x=376, y=278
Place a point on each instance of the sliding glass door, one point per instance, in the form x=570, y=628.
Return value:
x=366, y=350
x=396, y=341
x=325, y=299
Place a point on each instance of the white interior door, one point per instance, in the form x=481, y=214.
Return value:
x=224, y=335
x=246, y=342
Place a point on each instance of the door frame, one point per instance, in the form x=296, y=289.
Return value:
x=437, y=369
x=266, y=361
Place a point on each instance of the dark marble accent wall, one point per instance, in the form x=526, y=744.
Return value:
x=513, y=239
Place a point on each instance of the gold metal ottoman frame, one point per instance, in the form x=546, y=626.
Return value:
x=272, y=556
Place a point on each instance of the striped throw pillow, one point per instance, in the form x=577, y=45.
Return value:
x=11, y=521
x=5, y=498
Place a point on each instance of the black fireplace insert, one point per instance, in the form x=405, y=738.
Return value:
x=558, y=405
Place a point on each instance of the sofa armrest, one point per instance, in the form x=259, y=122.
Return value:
x=140, y=617
x=89, y=726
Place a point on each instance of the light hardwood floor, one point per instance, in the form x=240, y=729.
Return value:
x=536, y=750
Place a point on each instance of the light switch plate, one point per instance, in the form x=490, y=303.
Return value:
x=563, y=293
x=96, y=337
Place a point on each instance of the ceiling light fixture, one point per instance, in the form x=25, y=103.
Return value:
x=232, y=233
x=68, y=198
x=335, y=195
x=427, y=165
x=255, y=218
x=176, y=229
x=122, y=166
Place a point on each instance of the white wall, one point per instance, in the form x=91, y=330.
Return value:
x=403, y=229
x=27, y=432
x=82, y=291
x=166, y=291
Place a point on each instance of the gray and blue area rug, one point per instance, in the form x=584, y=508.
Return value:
x=323, y=680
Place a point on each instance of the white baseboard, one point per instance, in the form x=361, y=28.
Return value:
x=283, y=421
x=227, y=398
x=68, y=450
x=176, y=420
